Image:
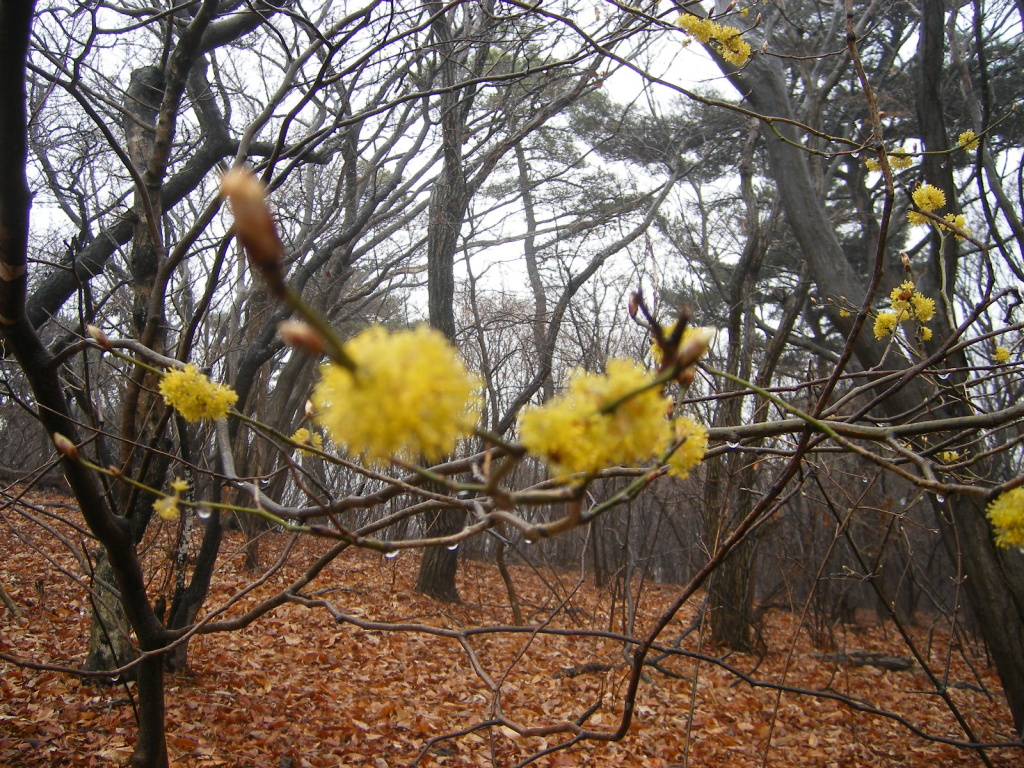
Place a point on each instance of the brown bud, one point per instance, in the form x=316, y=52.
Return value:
x=65, y=446
x=301, y=336
x=695, y=343
x=634, y=304
x=99, y=337
x=254, y=225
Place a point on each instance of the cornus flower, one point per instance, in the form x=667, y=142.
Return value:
x=949, y=456
x=601, y=421
x=957, y=220
x=927, y=198
x=898, y=159
x=701, y=29
x=885, y=324
x=968, y=140
x=410, y=396
x=732, y=47
x=691, y=450
x=167, y=506
x=727, y=41
x=924, y=307
x=194, y=396
x=907, y=304
x=304, y=437
x=1001, y=354
x=1006, y=514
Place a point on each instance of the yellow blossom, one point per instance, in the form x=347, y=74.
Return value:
x=305, y=437
x=702, y=29
x=899, y=297
x=926, y=333
x=917, y=219
x=592, y=426
x=910, y=303
x=968, y=140
x=409, y=397
x=1001, y=354
x=958, y=220
x=731, y=46
x=727, y=41
x=949, y=456
x=929, y=198
x=844, y=313
x=900, y=158
x=167, y=506
x=873, y=165
x=1006, y=514
x=694, y=445
x=885, y=324
x=194, y=396
x=924, y=307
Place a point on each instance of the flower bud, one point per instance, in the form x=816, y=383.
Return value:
x=301, y=336
x=695, y=343
x=65, y=446
x=634, y=304
x=254, y=225
x=97, y=335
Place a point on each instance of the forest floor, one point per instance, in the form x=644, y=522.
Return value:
x=298, y=688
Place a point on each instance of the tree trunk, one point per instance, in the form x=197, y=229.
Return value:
x=439, y=565
x=448, y=202
x=110, y=643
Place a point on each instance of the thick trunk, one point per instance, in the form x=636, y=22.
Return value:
x=440, y=565
x=151, y=747
x=110, y=644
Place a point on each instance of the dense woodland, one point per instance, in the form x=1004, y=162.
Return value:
x=552, y=187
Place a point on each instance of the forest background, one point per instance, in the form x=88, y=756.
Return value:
x=469, y=165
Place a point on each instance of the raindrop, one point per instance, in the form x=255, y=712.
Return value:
x=733, y=445
x=392, y=554
x=944, y=375
x=204, y=513
x=452, y=547
x=939, y=498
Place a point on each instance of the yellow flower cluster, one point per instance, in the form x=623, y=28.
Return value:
x=194, y=396
x=618, y=418
x=726, y=41
x=167, y=506
x=906, y=304
x=409, y=397
x=304, y=437
x=930, y=198
x=898, y=159
x=1001, y=354
x=968, y=140
x=956, y=220
x=1006, y=514
x=693, y=437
